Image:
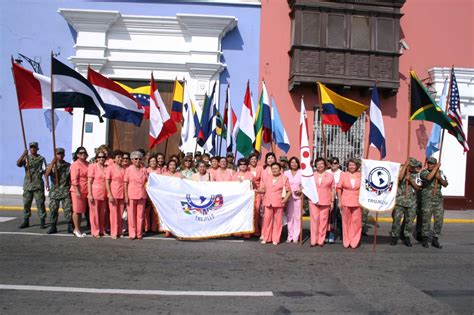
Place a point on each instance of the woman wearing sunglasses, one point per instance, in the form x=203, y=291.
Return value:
x=135, y=195
x=187, y=168
x=97, y=193
x=79, y=189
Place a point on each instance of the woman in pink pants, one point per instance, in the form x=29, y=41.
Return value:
x=97, y=195
x=320, y=211
x=135, y=195
x=293, y=207
x=274, y=201
x=114, y=183
x=348, y=195
x=256, y=171
x=79, y=189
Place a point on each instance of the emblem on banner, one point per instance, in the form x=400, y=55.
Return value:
x=201, y=206
x=379, y=181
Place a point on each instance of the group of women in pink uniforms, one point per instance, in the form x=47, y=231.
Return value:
x=109, y=186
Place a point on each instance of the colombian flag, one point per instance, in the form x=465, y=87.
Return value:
x=177, y=105
x=338, y=110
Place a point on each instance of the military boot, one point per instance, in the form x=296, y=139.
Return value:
x=43, y=223
x=70, y=227
x=52, y=229
x=25, y=224
x=425, y=242
x=435, y=243
x=394, y=241
x=407, y=242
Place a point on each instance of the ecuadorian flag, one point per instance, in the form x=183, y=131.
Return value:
x=177, y=105
x=338, y=110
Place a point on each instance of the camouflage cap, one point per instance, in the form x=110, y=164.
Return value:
x=413, y=162
x=34, y=144
x=283, y=158
x=431, y=160
x=59, y=150
x=230, y=154
x=197, y=153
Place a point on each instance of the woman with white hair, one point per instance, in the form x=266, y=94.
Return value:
x=135, y=195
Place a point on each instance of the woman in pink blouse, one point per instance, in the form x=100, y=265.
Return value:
x=293, y=207
x=135, y=195
x=256, y=171
x=114, y=183
x=276, y=189
x=79, y=189
x=223, y=174
x=320, y=211
x=97, y=195
x=348, y=195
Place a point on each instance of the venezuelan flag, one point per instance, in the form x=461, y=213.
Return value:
x=142, y=95
x=177, y=105
x=338, y=110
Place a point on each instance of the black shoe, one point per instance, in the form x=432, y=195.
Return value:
x=52, y=229
x=425, y=242
x=407, y=242
x=394, y=241
x=70, y=228
x=43, y=224
x=25, y=224
x=435, y=243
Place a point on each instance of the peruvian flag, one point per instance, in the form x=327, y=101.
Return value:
x=307, y=175
x=32, y=89
x=161, y=124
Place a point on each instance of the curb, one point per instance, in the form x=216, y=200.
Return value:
x=371, y=219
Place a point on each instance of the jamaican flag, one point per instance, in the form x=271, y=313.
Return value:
x=423, y=107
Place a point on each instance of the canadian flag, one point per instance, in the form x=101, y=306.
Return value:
x=32, y=89
x=161, y=124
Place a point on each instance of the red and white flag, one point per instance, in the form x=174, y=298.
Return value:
x=161, y=124
x=32, y=89
x=307, y=175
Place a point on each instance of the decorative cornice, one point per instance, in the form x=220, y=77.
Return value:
x=89, y=20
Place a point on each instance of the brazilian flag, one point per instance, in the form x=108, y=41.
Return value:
x=423, y=107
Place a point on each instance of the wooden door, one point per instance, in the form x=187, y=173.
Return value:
x=128, y=137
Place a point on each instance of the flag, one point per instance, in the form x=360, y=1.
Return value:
x=161, y=124
x=71, y=89
x=177, y=105
x=434, y=141
x=454, y=112
x=377, y=130
x=118, y=103
x=424, y=108
x=267, y=115
x=230, y=123
x=259, y=125
x=202, y=210
x=307, y=174
x=205, y=130
x=338, y=110
x=142, y=95
x=279, y=132
x=379, y=185
x=188, y=130
x=33, y=90
x=246, y=134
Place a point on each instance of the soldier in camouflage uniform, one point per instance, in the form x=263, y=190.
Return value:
x=59, y=193
x=33, y=187
x=432, y=201
x=405, y=204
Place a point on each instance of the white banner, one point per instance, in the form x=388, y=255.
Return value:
x=379, y=184
x=200, y=210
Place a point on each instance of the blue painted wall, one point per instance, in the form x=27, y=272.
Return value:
x=34, y=28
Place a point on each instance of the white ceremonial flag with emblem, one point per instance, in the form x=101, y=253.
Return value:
x=379, y=183
x=199, y=210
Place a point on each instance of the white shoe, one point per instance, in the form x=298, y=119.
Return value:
x=79, y=234
x=263, y=242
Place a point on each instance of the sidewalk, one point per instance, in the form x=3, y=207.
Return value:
x=15, y=203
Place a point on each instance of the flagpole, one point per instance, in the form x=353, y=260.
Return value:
x=323, y=133
x=301, y=219
x=22, y=127
x=409, y=134
x=83, y=126
x=52, y=122
x=442, y=133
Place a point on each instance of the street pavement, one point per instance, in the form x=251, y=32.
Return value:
x=159, y=275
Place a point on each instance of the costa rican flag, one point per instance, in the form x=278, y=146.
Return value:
x=118, y=103
x=377, y=130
